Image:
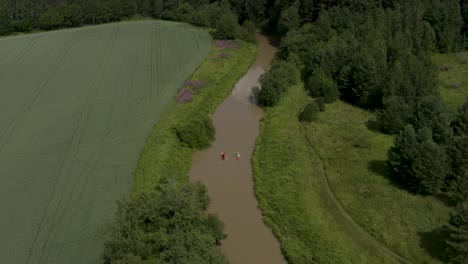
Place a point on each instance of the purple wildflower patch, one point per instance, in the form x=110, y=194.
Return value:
x=185, y=95
x=196, y=83
x=227, y=44
x=224, y=55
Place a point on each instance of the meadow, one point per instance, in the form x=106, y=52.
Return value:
x=453, y=78
x=323, y=189
x=76, y=107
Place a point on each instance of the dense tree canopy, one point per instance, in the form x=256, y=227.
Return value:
x=170, y=226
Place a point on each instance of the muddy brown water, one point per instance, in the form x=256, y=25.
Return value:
x=229, y=182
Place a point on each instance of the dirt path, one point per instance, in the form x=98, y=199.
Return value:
x=229, y=182
x=344, y=213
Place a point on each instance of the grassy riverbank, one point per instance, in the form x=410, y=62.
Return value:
x=292, y=192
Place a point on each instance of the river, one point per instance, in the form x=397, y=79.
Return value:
x=229, y=182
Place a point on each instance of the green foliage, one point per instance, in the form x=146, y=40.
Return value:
x=458, y=152
x=71, y=14
x=457, y=239
x=445, y=17
x=362, y=142
x=319, y=85
x=460, y=124
x=431, y=113
x=52, y=19
x=310, y=112
x=321, y=103
x=247, y=31
x=167, y=227
x=275, y=82
x=289, y=19
x=227, y=27
x=417, y=161
x=198, y=132
x=395, y=115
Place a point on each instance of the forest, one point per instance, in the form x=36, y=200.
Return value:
x=375, y=54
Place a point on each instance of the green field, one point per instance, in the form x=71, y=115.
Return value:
x=76, y=107
x=377, y=219
x=453, y=78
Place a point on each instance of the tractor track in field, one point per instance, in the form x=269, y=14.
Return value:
x=17, y=59
x=195, y=39
x=35, y=94
x=93, y=159
x=158, y=61
x=155, y=60
x=54, y=67
x=67, y=152
x=379, y=244
x=152, y=43
x=84, y=115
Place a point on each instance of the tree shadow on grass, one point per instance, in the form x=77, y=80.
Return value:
x=379, y=167
x=433, y=243
x=373, y=125
x=446, y=199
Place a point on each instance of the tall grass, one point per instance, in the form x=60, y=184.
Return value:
x=292, y=193
x=164, y=155
x=453, y=78
x=358, y=177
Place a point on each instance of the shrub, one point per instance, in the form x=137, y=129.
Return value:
x=170, y=226
x=247, y=31
x=274, y=83
x=197, y=133
x=227, y=27
x=310, y=112
x=319, y=84
x=321, y=103
x=362, y=142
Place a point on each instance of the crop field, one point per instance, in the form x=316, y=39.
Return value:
x=76, y=107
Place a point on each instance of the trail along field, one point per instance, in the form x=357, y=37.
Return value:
x=76, y=107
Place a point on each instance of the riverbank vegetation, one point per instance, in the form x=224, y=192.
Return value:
x=164, y=218
x=393, y=152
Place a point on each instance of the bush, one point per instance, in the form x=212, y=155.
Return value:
x=321, y=103
x=171, y=226
x=227, y=27
x=247, y=31
x=310, y=112
x=274, y=83
x=320, y=85
x=362, y=142
x=197, y=133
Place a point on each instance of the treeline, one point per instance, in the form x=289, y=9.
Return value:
x=169, y=226
x=377, y=55
x=30, y=15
